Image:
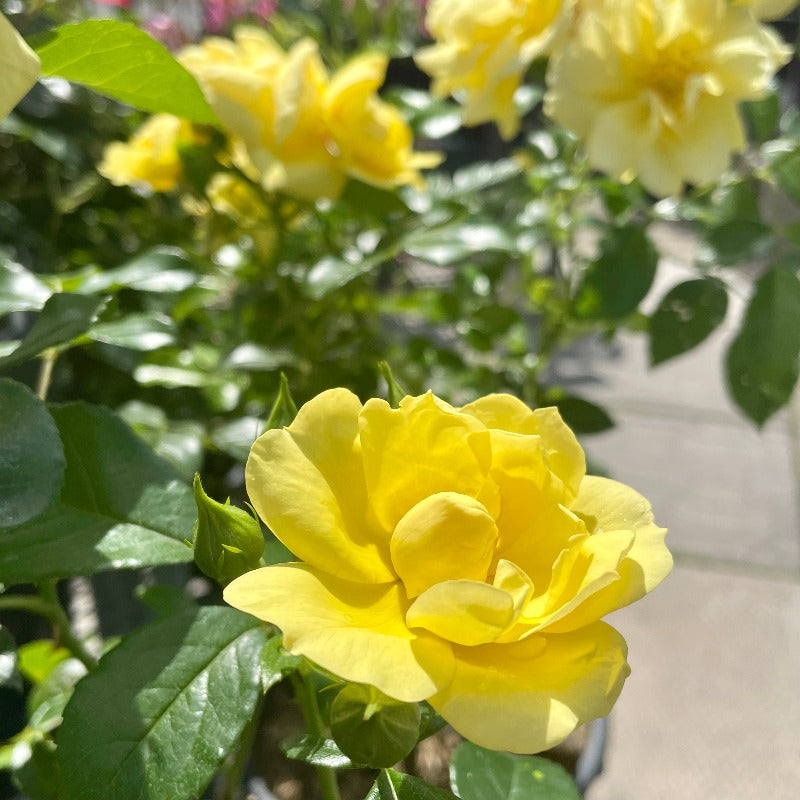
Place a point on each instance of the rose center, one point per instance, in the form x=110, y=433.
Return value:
x=446, y=536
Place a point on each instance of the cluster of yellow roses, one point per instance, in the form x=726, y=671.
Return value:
x=291, y=126
x=651, y=86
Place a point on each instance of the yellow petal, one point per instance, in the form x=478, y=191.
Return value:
x=465, y=612
x=607, y=505
x=564, y=455
x=445, y=536
x=354, y=630
x=19, y=66
x=417, y=450
x=510, y=578
x=528, y=696
x=589, y=564
x=307, y=483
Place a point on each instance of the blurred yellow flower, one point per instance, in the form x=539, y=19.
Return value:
x=483, y=50
x=769, y=9
x=298, y=131
x=458, y=555
x=150, y=157
x=19, y=67
x=372, y=139
x=653, y=87
x=234, y=197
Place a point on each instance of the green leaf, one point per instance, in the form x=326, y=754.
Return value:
x=451, y=244
x=686, y=315
x=371, y=728
x=762, y=361
x=284, y=409
x=37, y=659
x=180, y=442
x=20, y=290
x=315, y=750
x=276, y=662
x=63, y=318
x=479, y=774
x=237, y=436
x=160, y=270
x=165, y=600
x=143, y=332
x=783, y=159
x=47, y=701
x=738, y=240
x=121, y=506
x=227, y=540
x=163, y=708
x=395, y=391
x=31, y=455
x=120, y=60
x=619, y=279
x=762, y=117
x=37, y=777
x=431, y=722
x=393, y=785
x=10, y=677
x=581, y=415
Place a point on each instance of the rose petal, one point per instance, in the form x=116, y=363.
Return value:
x=608, y=505
x=307, y=483
x=19, y=66
x=356, y=631
x=466, y=612
x=564, y=455
x=446, y=536
x=528, y=696
x=417, y=450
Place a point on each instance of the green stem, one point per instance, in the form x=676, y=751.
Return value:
x=27, y=602
x=45, y=374
x=64, y=633
x=306, y=694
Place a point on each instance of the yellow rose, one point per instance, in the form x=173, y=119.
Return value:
x=19, y=67
x=769, y=9
x=271, y=103
x=483, y=50
x=236, y=198
x=295, y=129
x=372, y=139
x=150, y=157
x=654, y=87
x=455, y=555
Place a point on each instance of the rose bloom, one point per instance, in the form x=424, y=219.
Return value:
x=653, y=87
x=19, y=67
x=302, y=132
x=483, y=50
x=455, y=555
x=150, y=158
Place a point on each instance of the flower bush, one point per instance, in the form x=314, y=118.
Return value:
x=455, y=555
x=307, y=208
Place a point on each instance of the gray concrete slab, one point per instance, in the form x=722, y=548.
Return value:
x=724, y=490
x=711, y=710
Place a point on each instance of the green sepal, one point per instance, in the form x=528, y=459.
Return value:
x=371, y=728
x=284, y=409
x=227, y=541
x=394, y=390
